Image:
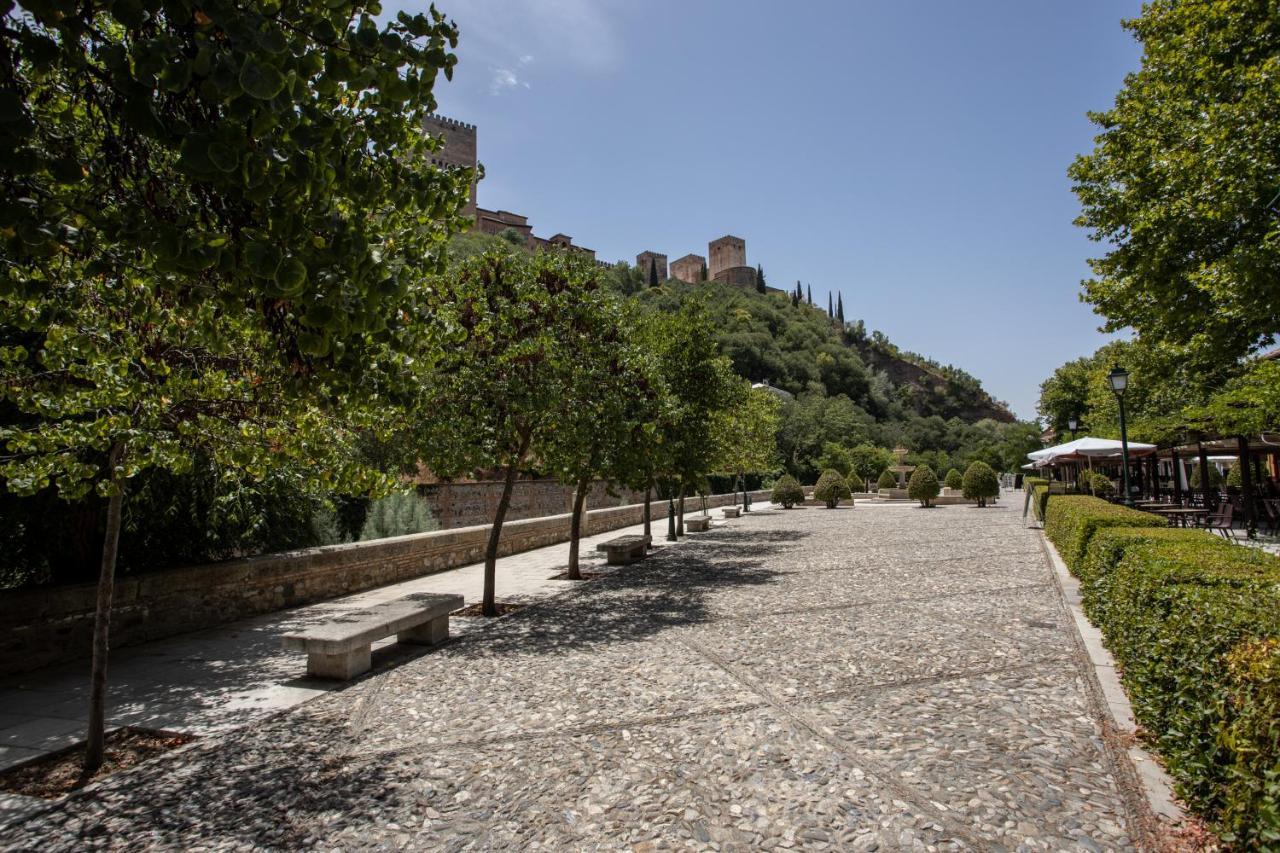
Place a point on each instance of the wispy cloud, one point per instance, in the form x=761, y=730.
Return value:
x=505, y=79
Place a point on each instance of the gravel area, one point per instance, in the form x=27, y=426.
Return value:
x=878, y=678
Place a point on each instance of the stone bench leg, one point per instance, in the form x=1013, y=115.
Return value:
x=431, y=633
x=342, y=666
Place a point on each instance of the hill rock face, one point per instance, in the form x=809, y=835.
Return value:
x=800, y=349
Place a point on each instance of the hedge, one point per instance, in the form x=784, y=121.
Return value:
x=1071, y=520
x=1194, y=623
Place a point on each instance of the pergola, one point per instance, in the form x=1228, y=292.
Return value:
x=1241, y=449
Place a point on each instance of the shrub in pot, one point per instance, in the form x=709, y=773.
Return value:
x=831, y=488
x=923, y=485
x=980, y=483
x=787, y=491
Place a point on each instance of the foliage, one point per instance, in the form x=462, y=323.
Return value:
x=397, y=514
x=1098, y=484
x=787, y=492
x=954, y=479
x=855, y=482
x=980, y=483
x=887, y=480
x=1070, y=521
x=1194, y=623
x=867, y=460
x=746, y=431
x=1179, y=182
x=1215, y=476
x=831, y=488
x=923, y=485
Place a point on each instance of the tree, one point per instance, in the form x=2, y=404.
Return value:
x=886, y=480
x=923, y=485
x=497, y=395
x=840, y=308
x=834, y=456
x=607, y=408
x=981, y=483
x=810, y=290
x=702, y=275
x=831, y=311
x=831, y=488
x=761, y=287
x=787, y=492
x=867, y=460
x=155, y=159
x=1178, y=184
x=855, y=482
x=954, y=479
x=746, y=433
x=653, y=272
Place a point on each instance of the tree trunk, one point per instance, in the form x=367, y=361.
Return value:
x=575, y=528
x=489, y=606
x=95, y=746
x=648, y=532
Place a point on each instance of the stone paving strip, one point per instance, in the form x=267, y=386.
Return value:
x=877, y=678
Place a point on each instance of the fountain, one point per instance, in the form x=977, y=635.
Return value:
x=902, y=471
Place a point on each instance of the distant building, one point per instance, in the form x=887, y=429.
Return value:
x=689, y=268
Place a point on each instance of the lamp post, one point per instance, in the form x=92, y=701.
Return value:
x=1073, y=424
x=671, y=515
x=1118, y=378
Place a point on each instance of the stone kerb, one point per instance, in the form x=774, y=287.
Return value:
x=40, y=627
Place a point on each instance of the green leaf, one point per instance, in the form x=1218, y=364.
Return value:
x=260, y=81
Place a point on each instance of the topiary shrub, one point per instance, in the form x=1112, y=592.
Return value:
x=954, y=479
x=788, y=492
x=1215, y=477
x=980, y=483
x=1071, y=520
x=831, y=488
x=1099, y=484
x=855, y=482
x=923, y=485
x=887, y=480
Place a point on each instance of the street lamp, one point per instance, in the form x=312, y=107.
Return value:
x=1118, y=378
x=1073, y=425
x=671, y=514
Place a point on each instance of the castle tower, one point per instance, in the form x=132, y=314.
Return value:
x=726, y=253
x=659, y=263
x=688, y=268
x=458, y=152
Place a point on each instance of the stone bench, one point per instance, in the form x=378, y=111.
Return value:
x=697, y=523
x=732, y=512
x=340, y=648
x=624, y=549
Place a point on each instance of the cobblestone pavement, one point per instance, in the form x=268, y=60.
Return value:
x=882, y=677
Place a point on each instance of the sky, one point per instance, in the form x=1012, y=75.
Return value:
x=910, y=156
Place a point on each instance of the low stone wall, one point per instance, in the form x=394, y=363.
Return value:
x=39, y=627
x=467, y=504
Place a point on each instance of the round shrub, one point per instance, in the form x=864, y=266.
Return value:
x=887, y=480
x=831, y=488
x=787, y=491
x=954, y=479
x=1100, y=484
x=855, y=482
x=980, y=483
x=923, y=485
x=1215, y=478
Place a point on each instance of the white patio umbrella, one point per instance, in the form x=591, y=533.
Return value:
x=1090, y=447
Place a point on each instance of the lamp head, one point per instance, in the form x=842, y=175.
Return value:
x=1118, y=379
x=1073, y=424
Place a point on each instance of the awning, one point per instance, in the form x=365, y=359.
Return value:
x=1092, y=448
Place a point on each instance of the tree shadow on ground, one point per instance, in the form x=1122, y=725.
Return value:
x=670, y=589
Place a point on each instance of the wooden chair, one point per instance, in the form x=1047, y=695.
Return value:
x=1221, y=521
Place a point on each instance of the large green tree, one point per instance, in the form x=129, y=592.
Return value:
x=1178, y=184
x=211, y=219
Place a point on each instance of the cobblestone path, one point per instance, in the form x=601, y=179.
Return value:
x=874, y=678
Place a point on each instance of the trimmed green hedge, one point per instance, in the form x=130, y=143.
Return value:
x=1194, y=623
x=1071, y=520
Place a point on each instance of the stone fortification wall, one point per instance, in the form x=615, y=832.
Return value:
x=40, y=627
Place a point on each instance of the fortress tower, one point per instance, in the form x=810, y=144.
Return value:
x=688, y=268
x=659, y=262
x=459, y=150
x=729, y=261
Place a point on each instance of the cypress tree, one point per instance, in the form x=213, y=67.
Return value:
x=840, y=308
x=653, y=272
x=704, y=271
x=760, y=286
x=831, y=310
x=809, y=287
x=799, y=294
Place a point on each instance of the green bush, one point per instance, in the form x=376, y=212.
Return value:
x=1029, y=483
x=855, y=482
x=398, y=514
x=831, y=488
x=887, y=480
x=1039, y=500
x=787, y=491
x=1071, y=520
x=1215, y=476
x=954, y=479
x=980, y=483
x=1099, y=485
x=1194, y=623
x=923, y=485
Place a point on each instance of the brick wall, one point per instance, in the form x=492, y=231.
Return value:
x=40, y=627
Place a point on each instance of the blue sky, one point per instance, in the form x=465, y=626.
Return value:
x=909, y=155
